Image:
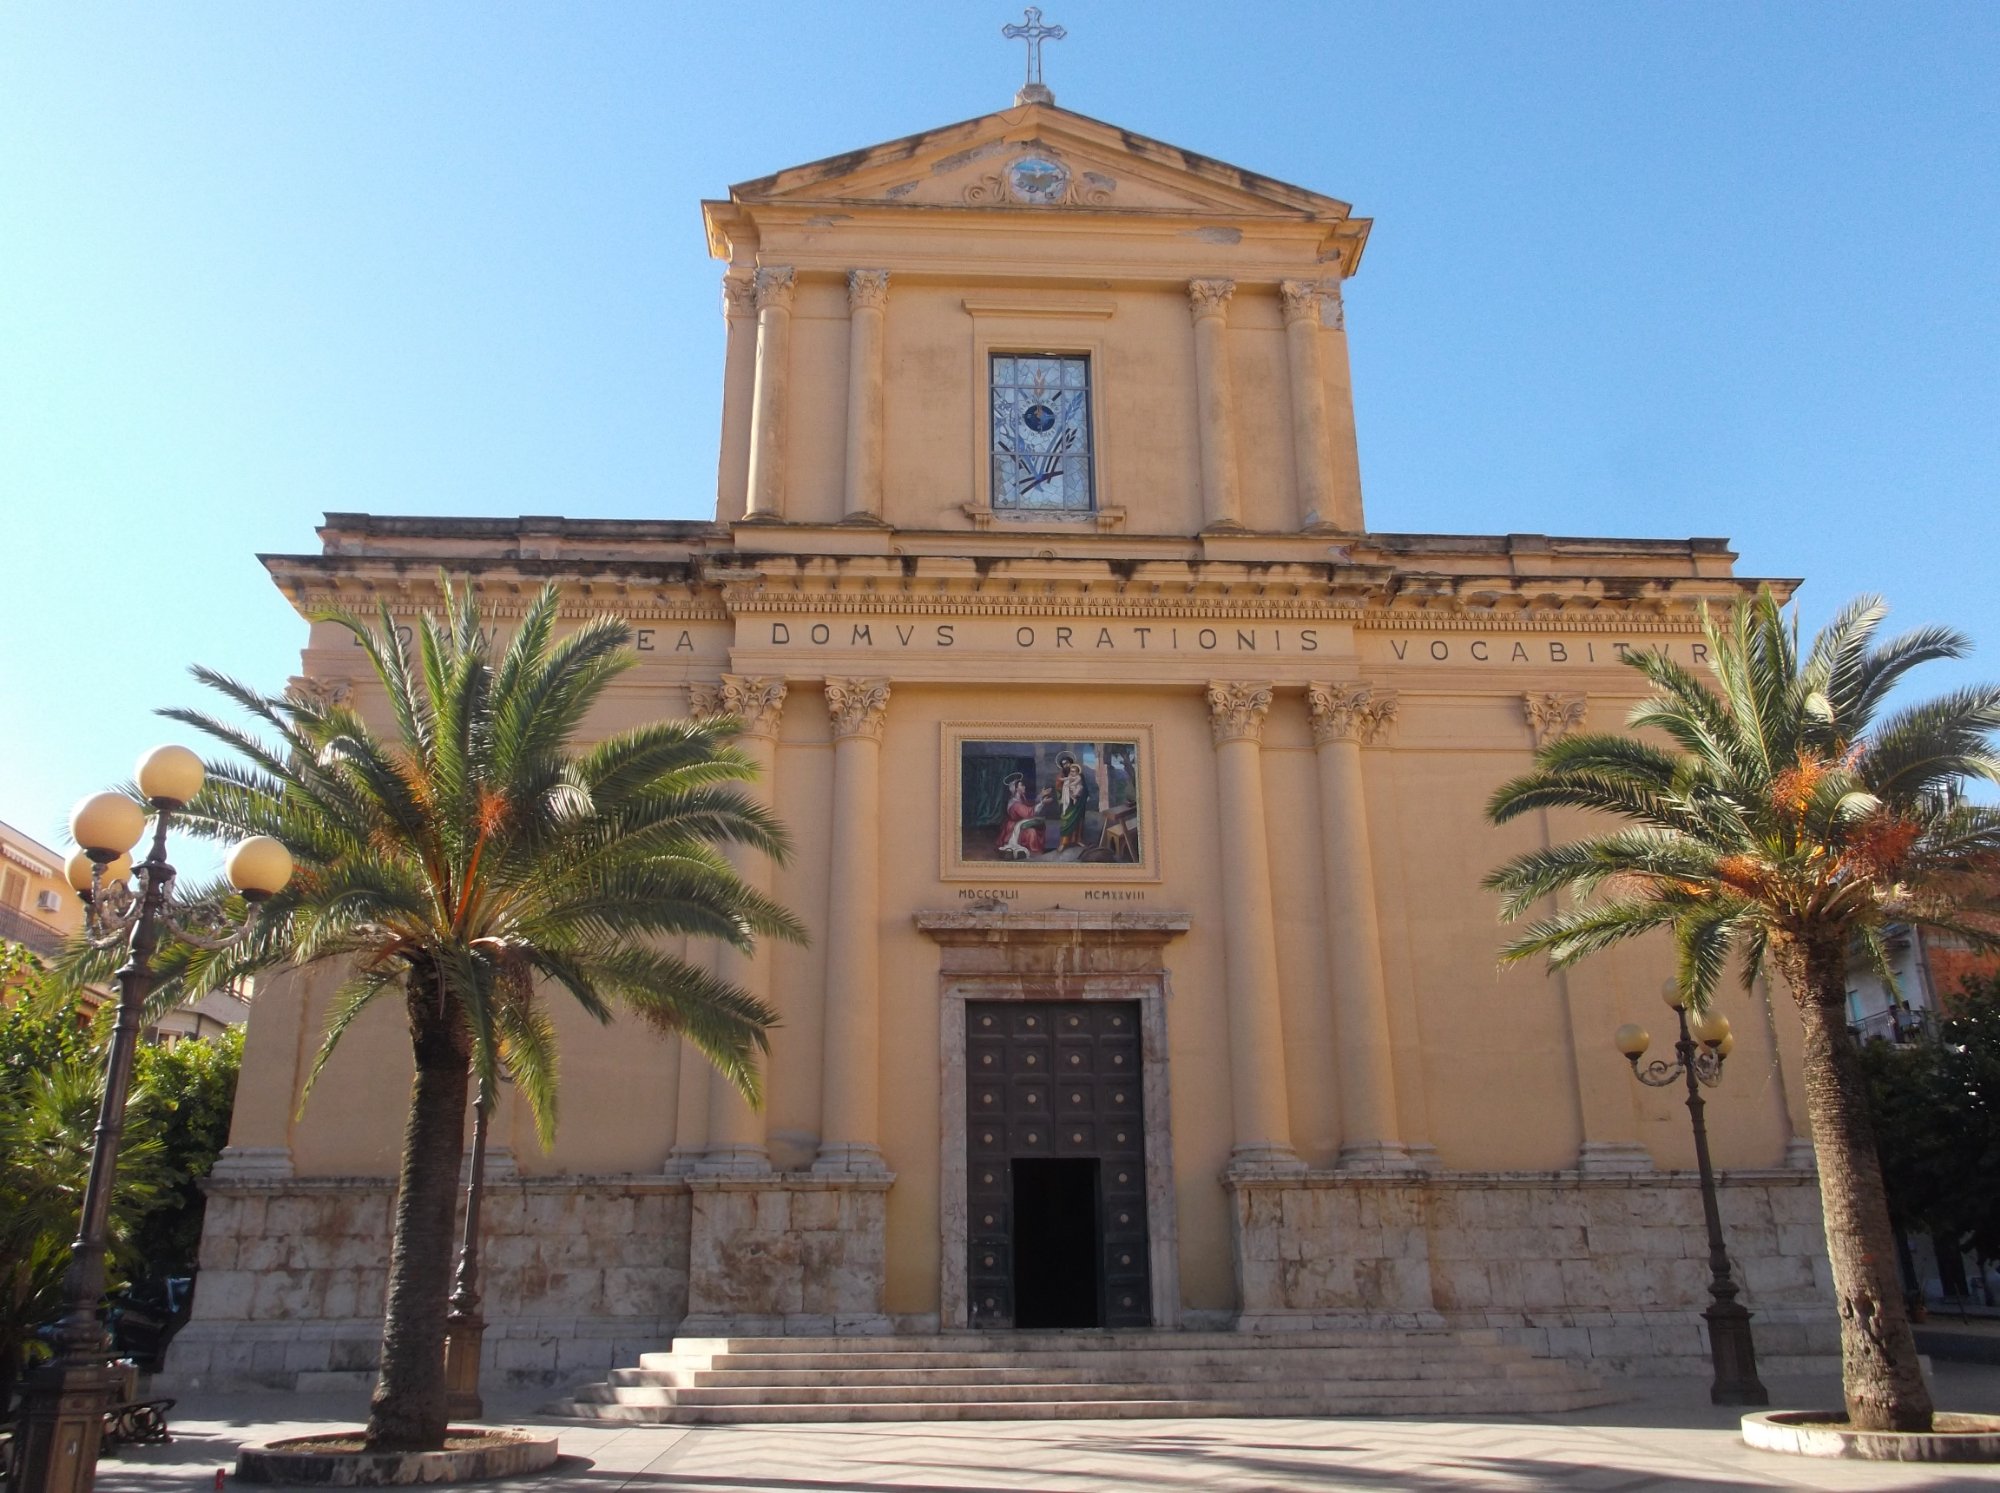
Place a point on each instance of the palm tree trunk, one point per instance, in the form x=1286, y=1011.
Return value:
x=1884, y=1385
x=408, y=1411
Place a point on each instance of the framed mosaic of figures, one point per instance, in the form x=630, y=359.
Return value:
x=1062, y=804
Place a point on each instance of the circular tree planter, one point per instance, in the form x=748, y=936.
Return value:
x=340, y=1460
x=1825, y=1433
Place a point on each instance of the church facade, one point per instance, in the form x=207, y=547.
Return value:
x=1136, y=787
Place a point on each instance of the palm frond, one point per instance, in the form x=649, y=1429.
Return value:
x=349, y=1002
x=478, y=840
x=1566, y=937
x=1651, y=856
x=1882, y=670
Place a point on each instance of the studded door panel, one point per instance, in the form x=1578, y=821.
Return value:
x=1055, y=1078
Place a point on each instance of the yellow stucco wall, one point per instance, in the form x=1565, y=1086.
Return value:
x=1054, y=629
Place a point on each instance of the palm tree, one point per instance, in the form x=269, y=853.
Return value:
x=465, y=860
x=1788, y=823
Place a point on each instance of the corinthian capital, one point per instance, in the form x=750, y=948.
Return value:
x=1209, y=297
x=774, y=287
x=739, y=294
x=757, y=703
x=1552, y=715
x=1349, y=712
x=867, y=289
x=1236, y=711
x=323, y=694
x=858, y=706
x=1301, y=300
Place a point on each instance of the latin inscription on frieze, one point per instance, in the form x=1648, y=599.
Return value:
x=803, y=635
x=1538, y=651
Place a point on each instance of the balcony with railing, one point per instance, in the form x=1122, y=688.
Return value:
x=31, y=933
x=1900, y=1023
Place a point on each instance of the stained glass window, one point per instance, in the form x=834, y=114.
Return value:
x=1041, y=433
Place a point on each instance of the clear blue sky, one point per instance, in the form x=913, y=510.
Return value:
x=1638, y=269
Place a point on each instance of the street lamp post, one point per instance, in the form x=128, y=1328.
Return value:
x=1703, y=1046
x=61, y=1425
x=465, y=1326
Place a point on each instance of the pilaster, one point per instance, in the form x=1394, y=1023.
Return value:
x=1346, y=716
x=770, y=405
x=1606, y=1120
x=736, y=1142
x=1311, y=448
x=851, y=1104
x=739, y=384
x=1258, y=1107
x=275, y=1048
x=691, y=1103
x=1221, y=501
x=867, y=301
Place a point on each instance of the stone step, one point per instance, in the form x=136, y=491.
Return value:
x=1139, y=1372
x=1429, y=1390
x=1481, y=1400
x=1028, y=1376
x=1093, y=1340
x=1309, y=1359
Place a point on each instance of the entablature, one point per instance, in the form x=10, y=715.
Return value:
x=730, y=584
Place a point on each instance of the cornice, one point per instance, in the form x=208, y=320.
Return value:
x=500, y=598
x=1596, y=618
x=714, y=587
x=1028, y=603
x=848, y=175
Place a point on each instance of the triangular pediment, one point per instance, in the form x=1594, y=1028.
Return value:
x=1038, y=157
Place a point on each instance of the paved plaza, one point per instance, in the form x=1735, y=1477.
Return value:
x=1668, y=1437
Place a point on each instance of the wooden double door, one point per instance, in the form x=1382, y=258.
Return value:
x=1056, y=1165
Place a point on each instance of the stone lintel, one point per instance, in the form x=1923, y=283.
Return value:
x=1061, y=951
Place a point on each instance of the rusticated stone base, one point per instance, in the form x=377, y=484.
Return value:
x=1606, y=1268
x=787, y=1254
x=581, y=1275
x=578, y=1274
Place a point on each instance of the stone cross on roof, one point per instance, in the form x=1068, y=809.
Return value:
x=1034, y=33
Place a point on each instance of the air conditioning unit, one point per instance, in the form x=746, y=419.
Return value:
x=48, y=902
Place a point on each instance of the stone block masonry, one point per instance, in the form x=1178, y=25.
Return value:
x=787, y=1255
x=1613, y=1270
x=577, y=1273
x=583, y=1274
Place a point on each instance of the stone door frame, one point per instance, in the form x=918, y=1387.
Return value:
x=1054, y=956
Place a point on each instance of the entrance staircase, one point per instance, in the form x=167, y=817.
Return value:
x=1085, y=1376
